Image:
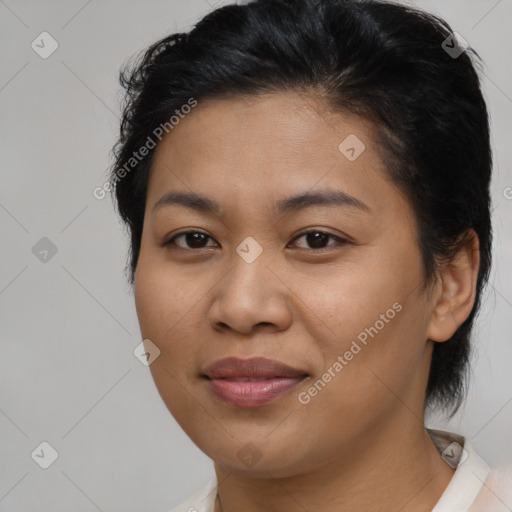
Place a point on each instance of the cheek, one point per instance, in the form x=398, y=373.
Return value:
x=376, y=323
x=162, y=298
x=342, y=303
x=167, y=310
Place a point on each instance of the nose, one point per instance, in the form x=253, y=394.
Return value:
x=251, y=296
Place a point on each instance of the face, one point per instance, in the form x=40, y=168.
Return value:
x=301, y=251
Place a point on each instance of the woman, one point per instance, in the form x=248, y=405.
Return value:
x=306, y=185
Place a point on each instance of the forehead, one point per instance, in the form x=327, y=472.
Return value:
x=263, y=147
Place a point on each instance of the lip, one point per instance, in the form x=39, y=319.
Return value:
x=256, y=367
x=251, y=382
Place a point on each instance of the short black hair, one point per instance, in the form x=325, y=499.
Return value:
x=399, y=67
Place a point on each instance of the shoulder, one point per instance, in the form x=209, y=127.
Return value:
x=202, y=500
x=470, y=471
x=496, y=493
x=474, y=487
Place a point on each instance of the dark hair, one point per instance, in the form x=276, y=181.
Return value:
x=388, y=63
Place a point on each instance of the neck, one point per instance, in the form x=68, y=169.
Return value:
x=396, y=467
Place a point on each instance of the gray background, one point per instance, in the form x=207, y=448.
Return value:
x=68, y=375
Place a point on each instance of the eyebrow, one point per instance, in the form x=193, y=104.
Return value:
x=325, y=197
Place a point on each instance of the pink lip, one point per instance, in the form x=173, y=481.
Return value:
x=251, y=382
x=252, y=394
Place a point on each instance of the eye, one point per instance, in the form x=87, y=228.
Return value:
x=315, y=239
x=320, y=240
x=191, y=240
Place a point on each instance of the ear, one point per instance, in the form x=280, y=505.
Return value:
x=456, y=291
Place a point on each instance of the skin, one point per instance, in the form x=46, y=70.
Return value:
x=360, y=443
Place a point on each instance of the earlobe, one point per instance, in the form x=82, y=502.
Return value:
x=456, y=290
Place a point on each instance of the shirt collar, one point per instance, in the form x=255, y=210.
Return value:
x=470, y=471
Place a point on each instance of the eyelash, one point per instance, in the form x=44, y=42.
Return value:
x=339, y=241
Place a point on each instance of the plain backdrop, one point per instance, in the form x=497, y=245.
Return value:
x=68, y=375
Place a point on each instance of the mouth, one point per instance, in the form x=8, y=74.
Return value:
x=252, y=382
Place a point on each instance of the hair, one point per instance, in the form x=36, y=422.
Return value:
x=381, y=61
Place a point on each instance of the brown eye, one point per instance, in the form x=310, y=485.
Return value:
x=319, y=240
x=190, y=240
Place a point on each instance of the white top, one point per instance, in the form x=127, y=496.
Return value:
x=466, y=485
